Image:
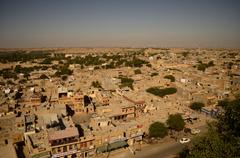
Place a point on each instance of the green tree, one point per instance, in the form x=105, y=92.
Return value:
x=196, y=106
x=158, y=129
x=96, y=84
x=229, y=122
x=175, y=122
x=214, y=144
x=223, y=138
x=17, y=69
x=47, y=61
x=126, y=82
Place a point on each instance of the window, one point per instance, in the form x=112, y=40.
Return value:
x=84, y=144
x=64, y=148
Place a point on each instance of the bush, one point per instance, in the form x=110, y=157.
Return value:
x=196, y=106
x=126, y=82
x=47, y=61
x=135, y=62
x=203, y=66
x=185, y=54
x=64, y=70
x=161, y=92
x=176, y=122
x=170, y=77
x=158, y=129
x=96, y=84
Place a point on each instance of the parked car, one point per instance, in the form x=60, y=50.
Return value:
x=195, y=131
x=184, y=140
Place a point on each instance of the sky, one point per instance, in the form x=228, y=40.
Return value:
x=119, y=23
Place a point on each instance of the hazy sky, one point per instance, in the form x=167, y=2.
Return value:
x=137, y=23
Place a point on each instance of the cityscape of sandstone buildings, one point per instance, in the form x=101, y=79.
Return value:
x=80, y=120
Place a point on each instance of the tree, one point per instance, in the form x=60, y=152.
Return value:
x=196, y=106
x=229, y=122
x=158, y=129
x=185, y=54
x=223, y=137
x=17, y=69
x=96, y=84
x=47, y=61
x=214, y=144
x=175, y=122
x=126, y=82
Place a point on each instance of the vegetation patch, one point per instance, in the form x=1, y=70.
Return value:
x=126, y=82
x=22, y=56
x=63, y=71
x=158, y=129
x=203, y=66
x=161, y=92
x=196, y=106
x=175, y=122
x=96, y=84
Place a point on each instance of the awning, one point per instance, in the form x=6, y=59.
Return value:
x=112, y=146
x=118, y=145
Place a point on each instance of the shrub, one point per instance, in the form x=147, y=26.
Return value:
x=47, y=61
x=96, y=84
x=203, y=66
x=176, y=122
x=197, y=106
x=158, y=129
x=185, y=54
x=126, y=82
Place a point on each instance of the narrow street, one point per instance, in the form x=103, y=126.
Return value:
x=159, y=150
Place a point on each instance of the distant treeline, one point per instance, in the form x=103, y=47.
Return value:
x=22, y=56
